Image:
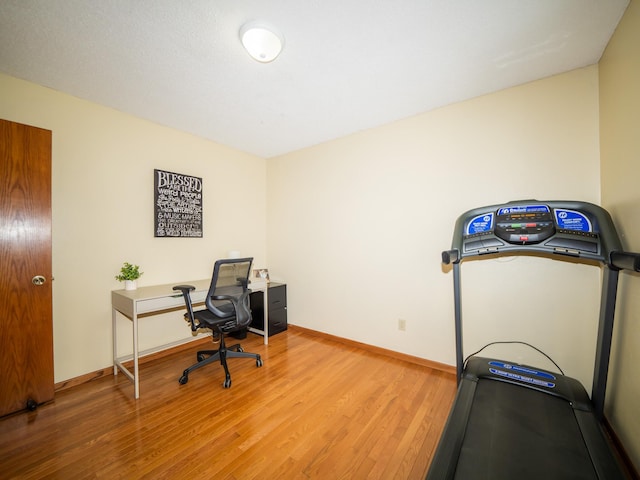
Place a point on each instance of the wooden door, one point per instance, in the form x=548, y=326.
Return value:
x=26, y=326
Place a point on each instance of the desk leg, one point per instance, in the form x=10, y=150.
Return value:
x=136, y=377
x=115, y=340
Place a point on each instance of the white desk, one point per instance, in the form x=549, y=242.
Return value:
x=158, y=299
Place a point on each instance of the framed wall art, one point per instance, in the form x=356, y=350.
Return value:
x=177, y=205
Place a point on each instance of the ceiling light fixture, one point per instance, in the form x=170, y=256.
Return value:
x=261, y=41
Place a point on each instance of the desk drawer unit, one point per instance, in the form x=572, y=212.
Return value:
x=277, y=309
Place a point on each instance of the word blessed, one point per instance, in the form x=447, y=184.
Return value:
x=176, y=181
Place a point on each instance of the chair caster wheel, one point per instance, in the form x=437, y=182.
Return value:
x=183, y=379
x=31, y=405
x=227, y=383
x=258, y=362
x=240, y=349
x=200, y=357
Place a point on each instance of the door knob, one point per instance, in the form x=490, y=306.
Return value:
x=38, y=280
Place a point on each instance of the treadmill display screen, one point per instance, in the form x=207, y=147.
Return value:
x=523, y=210
x=524, y=224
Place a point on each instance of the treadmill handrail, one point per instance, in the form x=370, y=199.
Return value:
x=625, y=261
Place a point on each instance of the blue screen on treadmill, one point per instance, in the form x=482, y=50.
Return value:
x=572, y=220
x=480, y=224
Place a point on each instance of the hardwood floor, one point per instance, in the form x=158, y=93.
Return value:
x=316, y=409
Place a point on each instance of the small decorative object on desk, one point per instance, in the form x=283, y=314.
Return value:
x=129, y=274
x=262, y=273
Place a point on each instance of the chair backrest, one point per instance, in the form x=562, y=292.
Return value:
x=229, y=287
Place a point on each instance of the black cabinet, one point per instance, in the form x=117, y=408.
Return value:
x=277, y=309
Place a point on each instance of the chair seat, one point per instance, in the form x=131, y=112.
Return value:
x=214, y=322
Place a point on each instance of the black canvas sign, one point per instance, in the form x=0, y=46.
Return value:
x=178, y=205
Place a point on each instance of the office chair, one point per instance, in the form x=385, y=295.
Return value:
x=227, y=311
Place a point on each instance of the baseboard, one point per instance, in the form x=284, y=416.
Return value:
x=378, y=350
x=72, y=382
x=624, y=457
x=88, y=377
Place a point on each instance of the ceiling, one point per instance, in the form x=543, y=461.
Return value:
x=347, y=65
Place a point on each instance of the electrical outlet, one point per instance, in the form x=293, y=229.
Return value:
x=402, y=324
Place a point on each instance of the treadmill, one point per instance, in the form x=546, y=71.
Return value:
x=512, y=421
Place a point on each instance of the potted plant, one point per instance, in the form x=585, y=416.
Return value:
x=129, y=274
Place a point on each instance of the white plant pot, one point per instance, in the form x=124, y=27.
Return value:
x=130, y=284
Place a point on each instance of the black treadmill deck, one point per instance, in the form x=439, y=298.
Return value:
x=518, y=433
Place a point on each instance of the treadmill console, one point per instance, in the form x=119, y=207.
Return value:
x=548, y=227
x=524, y=224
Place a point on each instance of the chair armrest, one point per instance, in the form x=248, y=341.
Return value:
x=186, y=289
x=189, y=288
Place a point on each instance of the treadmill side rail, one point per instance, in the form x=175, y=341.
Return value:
x=604, y=460
x=442, y=468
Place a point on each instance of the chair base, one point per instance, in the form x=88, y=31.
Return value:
x=205, y=357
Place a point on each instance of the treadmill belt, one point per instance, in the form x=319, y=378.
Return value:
x=518, y=433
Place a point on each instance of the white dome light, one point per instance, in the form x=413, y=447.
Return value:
x=262, y=43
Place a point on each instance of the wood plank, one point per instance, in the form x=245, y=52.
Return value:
x=318, y=408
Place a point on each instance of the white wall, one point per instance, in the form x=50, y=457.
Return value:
x=356, y=226
x=619, y=121
x=103, y=163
